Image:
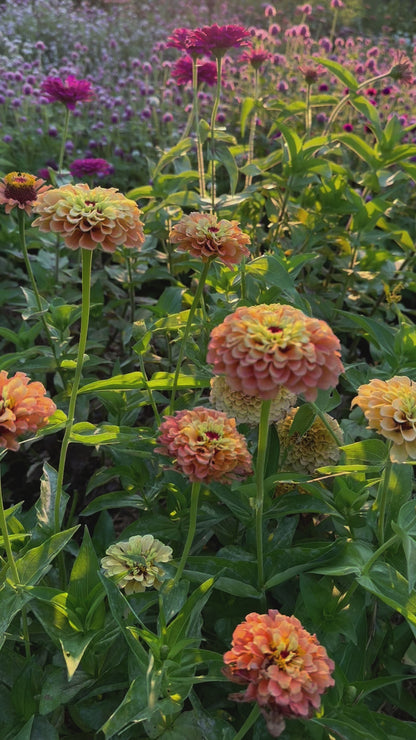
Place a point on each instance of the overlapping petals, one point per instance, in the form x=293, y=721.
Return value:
x=284, y=667
x=86, y=217
x=259, y=348
x=135, y=563
x=206, y=71
x=204, y=236
x=69, y=91
x=205, y=445
x=23, y=408
x=247, y=409
x=311, y=450
x=21, y=189
x=390, y=408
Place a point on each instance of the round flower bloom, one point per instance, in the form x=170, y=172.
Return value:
x=86, y=217
x=218, y=39
x=285, y=668
x=255, y=57
x=23, y=408
x=90, y=166
x=402, y=69
x=206, y=71
x=259, y=348
x=69, y=91
x=20, y=189
x=390, y=408
x=205, y=445
x=135, y=563
x=314, y=449
x=246, y=409
x=185, y=40
x=202, y=235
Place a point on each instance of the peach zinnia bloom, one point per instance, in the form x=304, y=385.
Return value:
x=247, y=409
x=390, y=408
x=311, y=450
x=23, y=408
x=202, y=235
x=259, y=348
x=86, y=217
x=285, y=668
x=205, y=445
x=20, y=189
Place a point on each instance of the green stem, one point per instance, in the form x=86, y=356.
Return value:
x=149, y=390
x=308, y=112
x=188, y=326
x=324, y=420
x=252, y=134
x=341, y=103
x=199, y=150
x=381, y=500
x=263, y=435
x=193, y=513
x=64, y=138
x=251, y=719
x=13, y=567
x=85, y=315
x=130, y=285
x=213, y=119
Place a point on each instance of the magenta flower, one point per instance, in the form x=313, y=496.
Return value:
x=69, y=91
x=90, y=166
x=255, y=57
x=206, y=71
x=217, y=40
x=185, y=40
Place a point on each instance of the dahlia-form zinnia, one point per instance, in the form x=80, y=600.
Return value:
x=390, y=408
x=205, y=445
x=204, y=236
x=311, y=450
x=217, y=39
x=247, y=409
x=20, y=189
x=69, y=91
x=135, y=563
x=88, y=217
x=285, y=668
x=90, y=166
x=259, y=348
x=23, y=408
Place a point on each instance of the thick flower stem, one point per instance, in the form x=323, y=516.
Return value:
x=346, y=99
x=197, y=298
x=199, y=150
x=64, y=138
x=248, y=724
x=253, y=123
x=381, y=501
x=85, y=315
x=213, y=119
x=263, y=435
x=193, y=513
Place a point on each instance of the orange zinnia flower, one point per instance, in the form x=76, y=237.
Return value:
x=23, y=408
x=86, y=217
x=259, y=348
x=20, y=189
x=390, y=408
x=285, y=668
x=205, y=445
x=202, y=235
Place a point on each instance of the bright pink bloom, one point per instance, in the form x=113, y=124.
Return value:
x=218, y=39
x=23, y=408
x=255, y=57
x=206, y=71
x=89, y=166
x=284, y=667
x=185, y=40
x=69, y=91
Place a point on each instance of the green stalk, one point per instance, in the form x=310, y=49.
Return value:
x=64, y=138
x=191, y=315
x=193, y=513
x=381, y=500
x=252, y=134
x=13, y=567
x=199, y=150
x=251, y=719
x=213, y=119
x=85, y=315
x=341, y=103
x=263, y=435
x=308, y=112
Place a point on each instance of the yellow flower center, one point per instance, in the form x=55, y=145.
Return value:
x=20, y=186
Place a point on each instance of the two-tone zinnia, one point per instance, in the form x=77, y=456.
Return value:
x=24, y=408
x=203, y=235
x=136, y=563
x=20, y=190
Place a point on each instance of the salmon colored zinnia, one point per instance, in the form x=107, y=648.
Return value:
x=259, y=348
x=205, y=445
x=86, y=217
x=390, y=408
x=23, y=408
x=285, y=668
x=20, y=189
x=204, y=236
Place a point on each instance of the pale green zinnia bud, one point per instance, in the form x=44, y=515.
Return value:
x=134, y=564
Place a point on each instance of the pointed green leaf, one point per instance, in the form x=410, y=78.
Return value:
x=344, y=75
x=45, y=506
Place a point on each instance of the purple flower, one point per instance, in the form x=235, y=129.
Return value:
x=90, y=166
x=185, y=40
x=218, y=39
x=69, y=91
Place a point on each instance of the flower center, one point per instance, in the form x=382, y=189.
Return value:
x=212, y=435
x=275, y=329
x=20, y=187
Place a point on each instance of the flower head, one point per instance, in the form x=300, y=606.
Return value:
x=205, y=445
x=69, y=91
x=390, y=408
x=88, y=217
x=185, y=40
x=20, y=189
x=217, y=40
x=135, y=563
x=202, y=235
x=246, y=409
x=311, y=450
x=206, y=71
x=259, y=348
x=402, y=69
x=23, y=408
x=310, y=73
x=90, y=166
x=255, y=57
x=285, y=668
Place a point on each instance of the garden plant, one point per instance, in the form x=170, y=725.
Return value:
x=207, y=371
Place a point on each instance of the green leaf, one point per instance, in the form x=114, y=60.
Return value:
x=32, y=309
x=83, y=581
x=363, y=105
x=57, y=691
x=129, y=381
x=246, y=108
x=344, y=75
x=223, y=155
x=393, y=589
x=304, y=418
x=186, y=624
x=176, y=151
x=74, y=646
x=45, y=506
x=35, y=563
x=90, y=434
x=164, y=381
x=406, y=529
x=360, y=147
